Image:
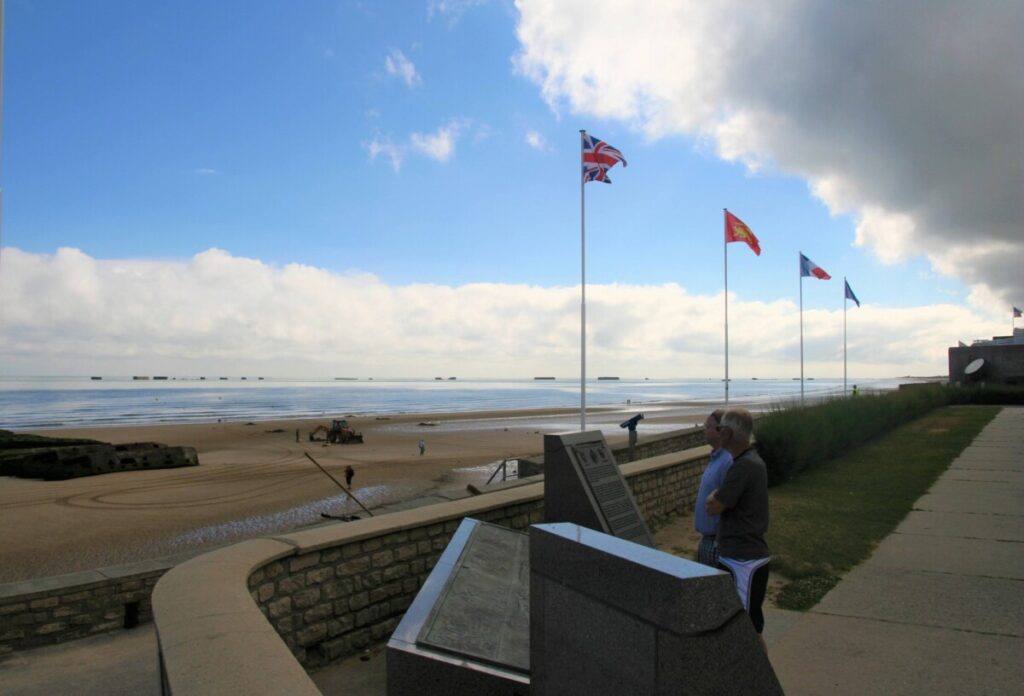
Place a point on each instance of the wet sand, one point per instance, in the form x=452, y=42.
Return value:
x=254, y=479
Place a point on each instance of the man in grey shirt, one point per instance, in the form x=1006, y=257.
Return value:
x=742, y=503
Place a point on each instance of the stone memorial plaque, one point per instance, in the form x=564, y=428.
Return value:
x=583, y=485
x=468, y=629
x=484, y=610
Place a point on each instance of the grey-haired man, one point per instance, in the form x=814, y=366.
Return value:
x=742, y=503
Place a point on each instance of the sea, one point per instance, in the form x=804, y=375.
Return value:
x=39, y=403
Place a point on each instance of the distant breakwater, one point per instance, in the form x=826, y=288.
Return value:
x=75, y=403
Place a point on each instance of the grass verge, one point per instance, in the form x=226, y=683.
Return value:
x=827, y=520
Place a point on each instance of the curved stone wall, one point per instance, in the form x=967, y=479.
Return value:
x=250, y=617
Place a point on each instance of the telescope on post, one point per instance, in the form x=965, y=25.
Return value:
x=631, y=424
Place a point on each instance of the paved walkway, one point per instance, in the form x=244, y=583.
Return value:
x=106, y=665
x=937, y=609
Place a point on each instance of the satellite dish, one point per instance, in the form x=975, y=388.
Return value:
x=974, y=367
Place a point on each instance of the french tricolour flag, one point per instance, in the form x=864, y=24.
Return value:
x=809, y=268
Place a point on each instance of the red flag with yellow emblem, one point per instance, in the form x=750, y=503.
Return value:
x=737, y=231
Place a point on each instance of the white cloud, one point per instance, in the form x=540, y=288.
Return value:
x=204, y=171
x=383, y=147
x=69, y=313
x=399, y=66
x=453, y=9
x=439, y=145
x=536, y=141
x=904, y=115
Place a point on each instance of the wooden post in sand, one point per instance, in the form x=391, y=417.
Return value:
x=347, y=491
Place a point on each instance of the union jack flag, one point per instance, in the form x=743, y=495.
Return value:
x=598, y=158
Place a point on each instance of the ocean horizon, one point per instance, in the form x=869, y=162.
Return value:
x=38, y=403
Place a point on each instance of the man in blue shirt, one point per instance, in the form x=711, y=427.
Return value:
x=714, y=475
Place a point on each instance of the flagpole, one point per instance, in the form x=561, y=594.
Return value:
x=844, y=335
x=583, y=296
x=725, y=254
x=801, y=329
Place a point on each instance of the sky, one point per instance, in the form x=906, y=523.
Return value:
x=392, y=189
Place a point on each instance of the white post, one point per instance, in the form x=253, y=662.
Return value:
x=2, y=112
x=725, y=254
x=801, y=271
x=844, y=335
x=583, y=295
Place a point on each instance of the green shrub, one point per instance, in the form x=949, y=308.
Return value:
x=793, y=438
x=797, y=438
x=990, y=395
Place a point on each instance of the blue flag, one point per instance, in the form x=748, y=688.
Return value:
x=849, y=293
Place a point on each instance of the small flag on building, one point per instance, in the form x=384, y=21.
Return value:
x=737, y=231
x=849, y=293
x=598, y=158
x=809, y=268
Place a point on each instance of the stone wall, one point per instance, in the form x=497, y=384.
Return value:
x=662, y=494
x=367, y=583
x=66, y=607
x=338, y=600
x=647, y=447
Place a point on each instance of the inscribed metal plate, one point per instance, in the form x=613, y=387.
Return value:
x=483, y=612
x=610, y=492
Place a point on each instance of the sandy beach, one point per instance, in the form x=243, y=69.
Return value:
x=254, y=479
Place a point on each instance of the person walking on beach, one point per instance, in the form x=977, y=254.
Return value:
x=349, y=475
x=714, y=475
x=423, y=447
x=742, y=503
x=296, y=434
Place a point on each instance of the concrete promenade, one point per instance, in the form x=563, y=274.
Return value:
x=937, y=609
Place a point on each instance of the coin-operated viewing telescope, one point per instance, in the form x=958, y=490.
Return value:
x=631, y=424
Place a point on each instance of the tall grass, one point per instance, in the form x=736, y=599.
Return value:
x=990, y=395
x=826, y=521
x=795, y=439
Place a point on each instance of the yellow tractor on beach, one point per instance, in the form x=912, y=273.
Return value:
x=338, y=434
